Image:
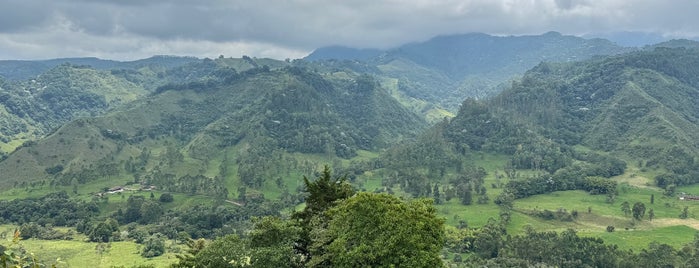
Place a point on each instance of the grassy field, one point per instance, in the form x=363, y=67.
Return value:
x=77, y=253
x=595, y=213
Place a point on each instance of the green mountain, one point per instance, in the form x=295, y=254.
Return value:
x=31, y=109
x=342, y=53
x=26, y=69
x=230, y=126
x=640, y=106
x=447, y=69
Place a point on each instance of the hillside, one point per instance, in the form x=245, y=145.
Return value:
x=569, y=121
x=447, y=69
x=27, y=69
x=31, y=109
x=231, y=120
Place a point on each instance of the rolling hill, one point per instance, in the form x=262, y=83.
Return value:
x=249, y=122
x=640, y=107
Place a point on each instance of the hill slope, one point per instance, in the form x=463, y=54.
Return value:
x=229, y=126
x=641, y=106
x=446, y=69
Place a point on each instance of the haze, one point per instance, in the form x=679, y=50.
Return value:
x=132, y=29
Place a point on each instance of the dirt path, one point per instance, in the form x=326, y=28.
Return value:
x=235, y=203
x=664, y=222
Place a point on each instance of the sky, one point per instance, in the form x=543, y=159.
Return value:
x=135, y=29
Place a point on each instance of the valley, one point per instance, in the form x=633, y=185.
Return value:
x=568, y=139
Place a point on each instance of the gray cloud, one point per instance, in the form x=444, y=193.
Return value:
x=128, y=29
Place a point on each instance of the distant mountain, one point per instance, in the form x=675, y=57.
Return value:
x=342, y=53
x=25, y=69
x=235, y=126
x=675, y=43
x=630, y=38
x=446, y=69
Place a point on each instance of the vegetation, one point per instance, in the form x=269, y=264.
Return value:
x=576, y=164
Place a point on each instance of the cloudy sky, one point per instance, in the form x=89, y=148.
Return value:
x=132, y=29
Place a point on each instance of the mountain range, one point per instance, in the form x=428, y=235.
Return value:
x=180, y=122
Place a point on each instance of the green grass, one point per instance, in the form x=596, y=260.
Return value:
x=77, y=253
x=676, y=236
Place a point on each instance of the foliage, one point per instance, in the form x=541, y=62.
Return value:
x=166, y=198
x=379, y=230
x=322, y=195
x=56, y=209
x=153, y=246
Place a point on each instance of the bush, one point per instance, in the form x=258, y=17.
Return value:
x=610, y=228
x=166, y=198
x=154, y=246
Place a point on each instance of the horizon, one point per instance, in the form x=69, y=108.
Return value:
x=128, y=30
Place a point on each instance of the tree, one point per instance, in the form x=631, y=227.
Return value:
x=102, y=232
x=227, y=251
x=271, y=242
x=437, y=196
x=322, y=194
x=685, y=213
x=465, y=194
x=639, y=209
x=150, y=211
x=166, y=198
x=379, y=230
x=652, y=199
x=153, y=246
x=133, y=208
x=625, y=208
x=651, y=214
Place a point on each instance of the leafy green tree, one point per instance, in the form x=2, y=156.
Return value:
x=436, y=195
x=685, y=213
x=639, y=210
x=153, y=246
x=322, y=194
x=188, y=258
x=488, y=241
x=227, y=251
x=379, y=230
x=150, y=211
x=102, y=232
x=166, y=198
x=271, y=242
x=625, y=207
x=133, y=208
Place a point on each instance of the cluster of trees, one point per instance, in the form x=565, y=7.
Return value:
x=491, y=246
x=55, y=209
x=575, y=177
x=331, y=231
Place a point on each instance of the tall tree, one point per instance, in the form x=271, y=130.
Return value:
x=322, y=194
x=625, y=207
x=379, y=230
x=639, y=209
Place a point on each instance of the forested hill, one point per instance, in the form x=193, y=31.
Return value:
x=573, y=123
x=26, y=69
x=446, y=69
x=248, y=120
x=642, y=105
